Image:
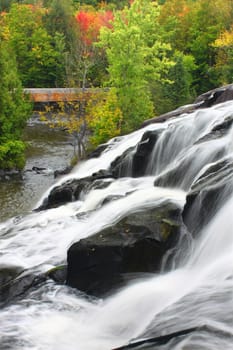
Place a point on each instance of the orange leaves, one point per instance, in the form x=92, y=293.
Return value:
x=90, y=23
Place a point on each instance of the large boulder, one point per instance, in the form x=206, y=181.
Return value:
x=132, y=247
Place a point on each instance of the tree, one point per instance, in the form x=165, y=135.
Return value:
x=59, y=21
x=178, y=90
x=37, y=53
x=91, y=58
x=196, y=25
x=104, y=117
x=136, y=54
x=70, y=115
x=224, y=62
x=208, y=19
x=14, y=108
x=5, y=5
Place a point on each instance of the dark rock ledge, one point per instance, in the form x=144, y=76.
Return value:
x=132, y=248
x=208, y=99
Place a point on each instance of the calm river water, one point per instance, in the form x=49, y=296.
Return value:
x=47, y=148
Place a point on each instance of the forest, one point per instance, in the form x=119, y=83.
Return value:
x=153, y=56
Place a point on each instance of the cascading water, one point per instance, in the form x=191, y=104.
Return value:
x=198, y=292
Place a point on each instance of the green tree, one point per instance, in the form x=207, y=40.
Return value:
x=136, y=55
x=59, y=21
x=207, y=20
x=224, y=51
x=104, y=117
x=178, y=90
x=14, y=110
x=37, y=53
x=5, y=5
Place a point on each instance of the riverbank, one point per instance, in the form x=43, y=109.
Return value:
x=48, y=150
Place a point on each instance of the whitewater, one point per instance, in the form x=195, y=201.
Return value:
x=197, y=291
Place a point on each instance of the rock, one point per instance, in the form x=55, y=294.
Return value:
x=143, y=152
x=133, y=162
x=38, y=170
x=208, y=99
x=215, y=96
x=207, y=194
x=122, y=165
x=98, y=151
x=151, y=343
x=8, y=273
x=10, y=174
x=58, y=274
x=132, y=247
x=72, y=190
x=218, y=130
x=176, y=113
x=61, y=172
x=60, y=196
x=18, y=287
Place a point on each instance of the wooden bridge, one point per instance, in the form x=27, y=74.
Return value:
x=55, y=95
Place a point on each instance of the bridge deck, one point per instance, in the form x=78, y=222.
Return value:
x=59, y=94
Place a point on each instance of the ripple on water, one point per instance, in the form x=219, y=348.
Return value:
x=50, y=149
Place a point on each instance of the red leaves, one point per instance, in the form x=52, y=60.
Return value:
x=90, y=24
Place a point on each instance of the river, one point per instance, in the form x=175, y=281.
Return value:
x=196, y=292
x=46, y=148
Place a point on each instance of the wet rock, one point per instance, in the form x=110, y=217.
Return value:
x=207, y=194
x=18, y=287
x=143, y=152
x=58, y=274
x=122, y=165
x=8, y=273
x=132, y=247
x=60, y=196
x=218, y=130
x=169, y=115
x=72, y=190
x=10, y=174
x=38, y=170
x=98, y=151
x=151, y=343
x=134, y=161
x=61, y=172
x=208, y=99
x=215, y=96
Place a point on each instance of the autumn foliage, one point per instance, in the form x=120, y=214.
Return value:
x=90, y=23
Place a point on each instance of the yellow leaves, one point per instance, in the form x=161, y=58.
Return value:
x=104, y=117
x=225, y=39
x=65, y=114
x=5, y=33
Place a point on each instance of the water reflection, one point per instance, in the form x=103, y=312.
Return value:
x=49, y=149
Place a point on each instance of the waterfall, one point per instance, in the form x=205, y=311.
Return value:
x=196, y=292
